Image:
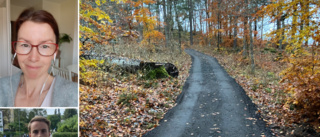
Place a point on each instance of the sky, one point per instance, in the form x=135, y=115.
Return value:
x=51, y=111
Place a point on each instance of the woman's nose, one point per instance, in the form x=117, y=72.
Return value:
x=34, y=54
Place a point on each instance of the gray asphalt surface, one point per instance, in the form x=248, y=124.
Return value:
x=211, y=104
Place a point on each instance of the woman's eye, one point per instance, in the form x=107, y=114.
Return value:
x=44, y=46
x=25, y=45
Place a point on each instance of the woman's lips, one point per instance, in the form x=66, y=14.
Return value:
x=32, y=67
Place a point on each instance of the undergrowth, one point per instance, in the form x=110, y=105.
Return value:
x=114, y=102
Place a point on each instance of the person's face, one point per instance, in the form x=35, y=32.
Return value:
x=33, y=64
x=39, y=129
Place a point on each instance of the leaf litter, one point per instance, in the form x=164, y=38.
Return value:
x=124, y=104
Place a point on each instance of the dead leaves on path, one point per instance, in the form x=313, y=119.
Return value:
x=263, y=87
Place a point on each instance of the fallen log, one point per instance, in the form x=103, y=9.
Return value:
x=132, y=65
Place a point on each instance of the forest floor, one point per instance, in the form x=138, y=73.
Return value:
x=262, y=86
x=118, y=103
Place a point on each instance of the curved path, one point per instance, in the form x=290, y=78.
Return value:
x=212, y=104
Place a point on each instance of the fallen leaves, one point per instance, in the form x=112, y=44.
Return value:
x=130, y=105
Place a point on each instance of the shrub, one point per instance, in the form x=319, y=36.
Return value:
x=69, y=125
x=302, y=80
x=12, y=134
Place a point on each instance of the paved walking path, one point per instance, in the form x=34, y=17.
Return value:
x=211, y=104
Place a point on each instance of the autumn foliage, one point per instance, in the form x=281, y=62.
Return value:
x=142, y=15
x=302, y=77
x=114, y=102
x=285, y=85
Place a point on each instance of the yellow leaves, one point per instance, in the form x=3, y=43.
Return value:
x=118, y=1
x=299, y=14
x=85, y=29
x=95, y=23
x=98, y=2
x=81, y=124
x=87, y=67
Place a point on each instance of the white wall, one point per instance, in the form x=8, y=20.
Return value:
x=69, y=25
x=5, y=37
x=4, y=56
x=17, y=6
x=53, y=8
x=15, y=11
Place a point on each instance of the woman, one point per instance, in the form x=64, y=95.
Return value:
x=35, y=48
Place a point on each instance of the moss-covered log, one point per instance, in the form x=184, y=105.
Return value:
x=133, y=65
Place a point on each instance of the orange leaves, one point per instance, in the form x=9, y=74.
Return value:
x=120, y=110
x=126, y=105
x=143, y=15
x=301, y=81
x=141, y=2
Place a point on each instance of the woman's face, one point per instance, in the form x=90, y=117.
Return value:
x=34, y=65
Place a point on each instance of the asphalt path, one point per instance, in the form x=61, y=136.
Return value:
x=211, y=104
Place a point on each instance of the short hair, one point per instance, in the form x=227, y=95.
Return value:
x=40, y=119
x=39, y=16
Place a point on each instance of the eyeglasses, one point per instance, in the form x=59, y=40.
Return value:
x=24, y=48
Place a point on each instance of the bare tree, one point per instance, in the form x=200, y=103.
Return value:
x=190, y=21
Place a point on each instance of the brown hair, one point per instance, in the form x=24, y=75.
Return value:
x=40, y=16
x=40, y=119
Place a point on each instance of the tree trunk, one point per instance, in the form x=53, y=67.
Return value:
x=158, y=14
x=262, y=29
x=255, y=29
x=219, y=25
x=166, y=30
x=132, y=65
x=170, y=20
x=190, y=21
x=255, y=21
x=235, y=29
x=179, y=25
x=140, y=27
x=207, y=23
x=278, y=29
x=230, y=30
x=282, y=35
x=244, y=53
x=307, y=22
x=200, y=20
x=245, y=44
x=251, y=47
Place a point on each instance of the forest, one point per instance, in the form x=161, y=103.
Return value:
x=271, y=48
